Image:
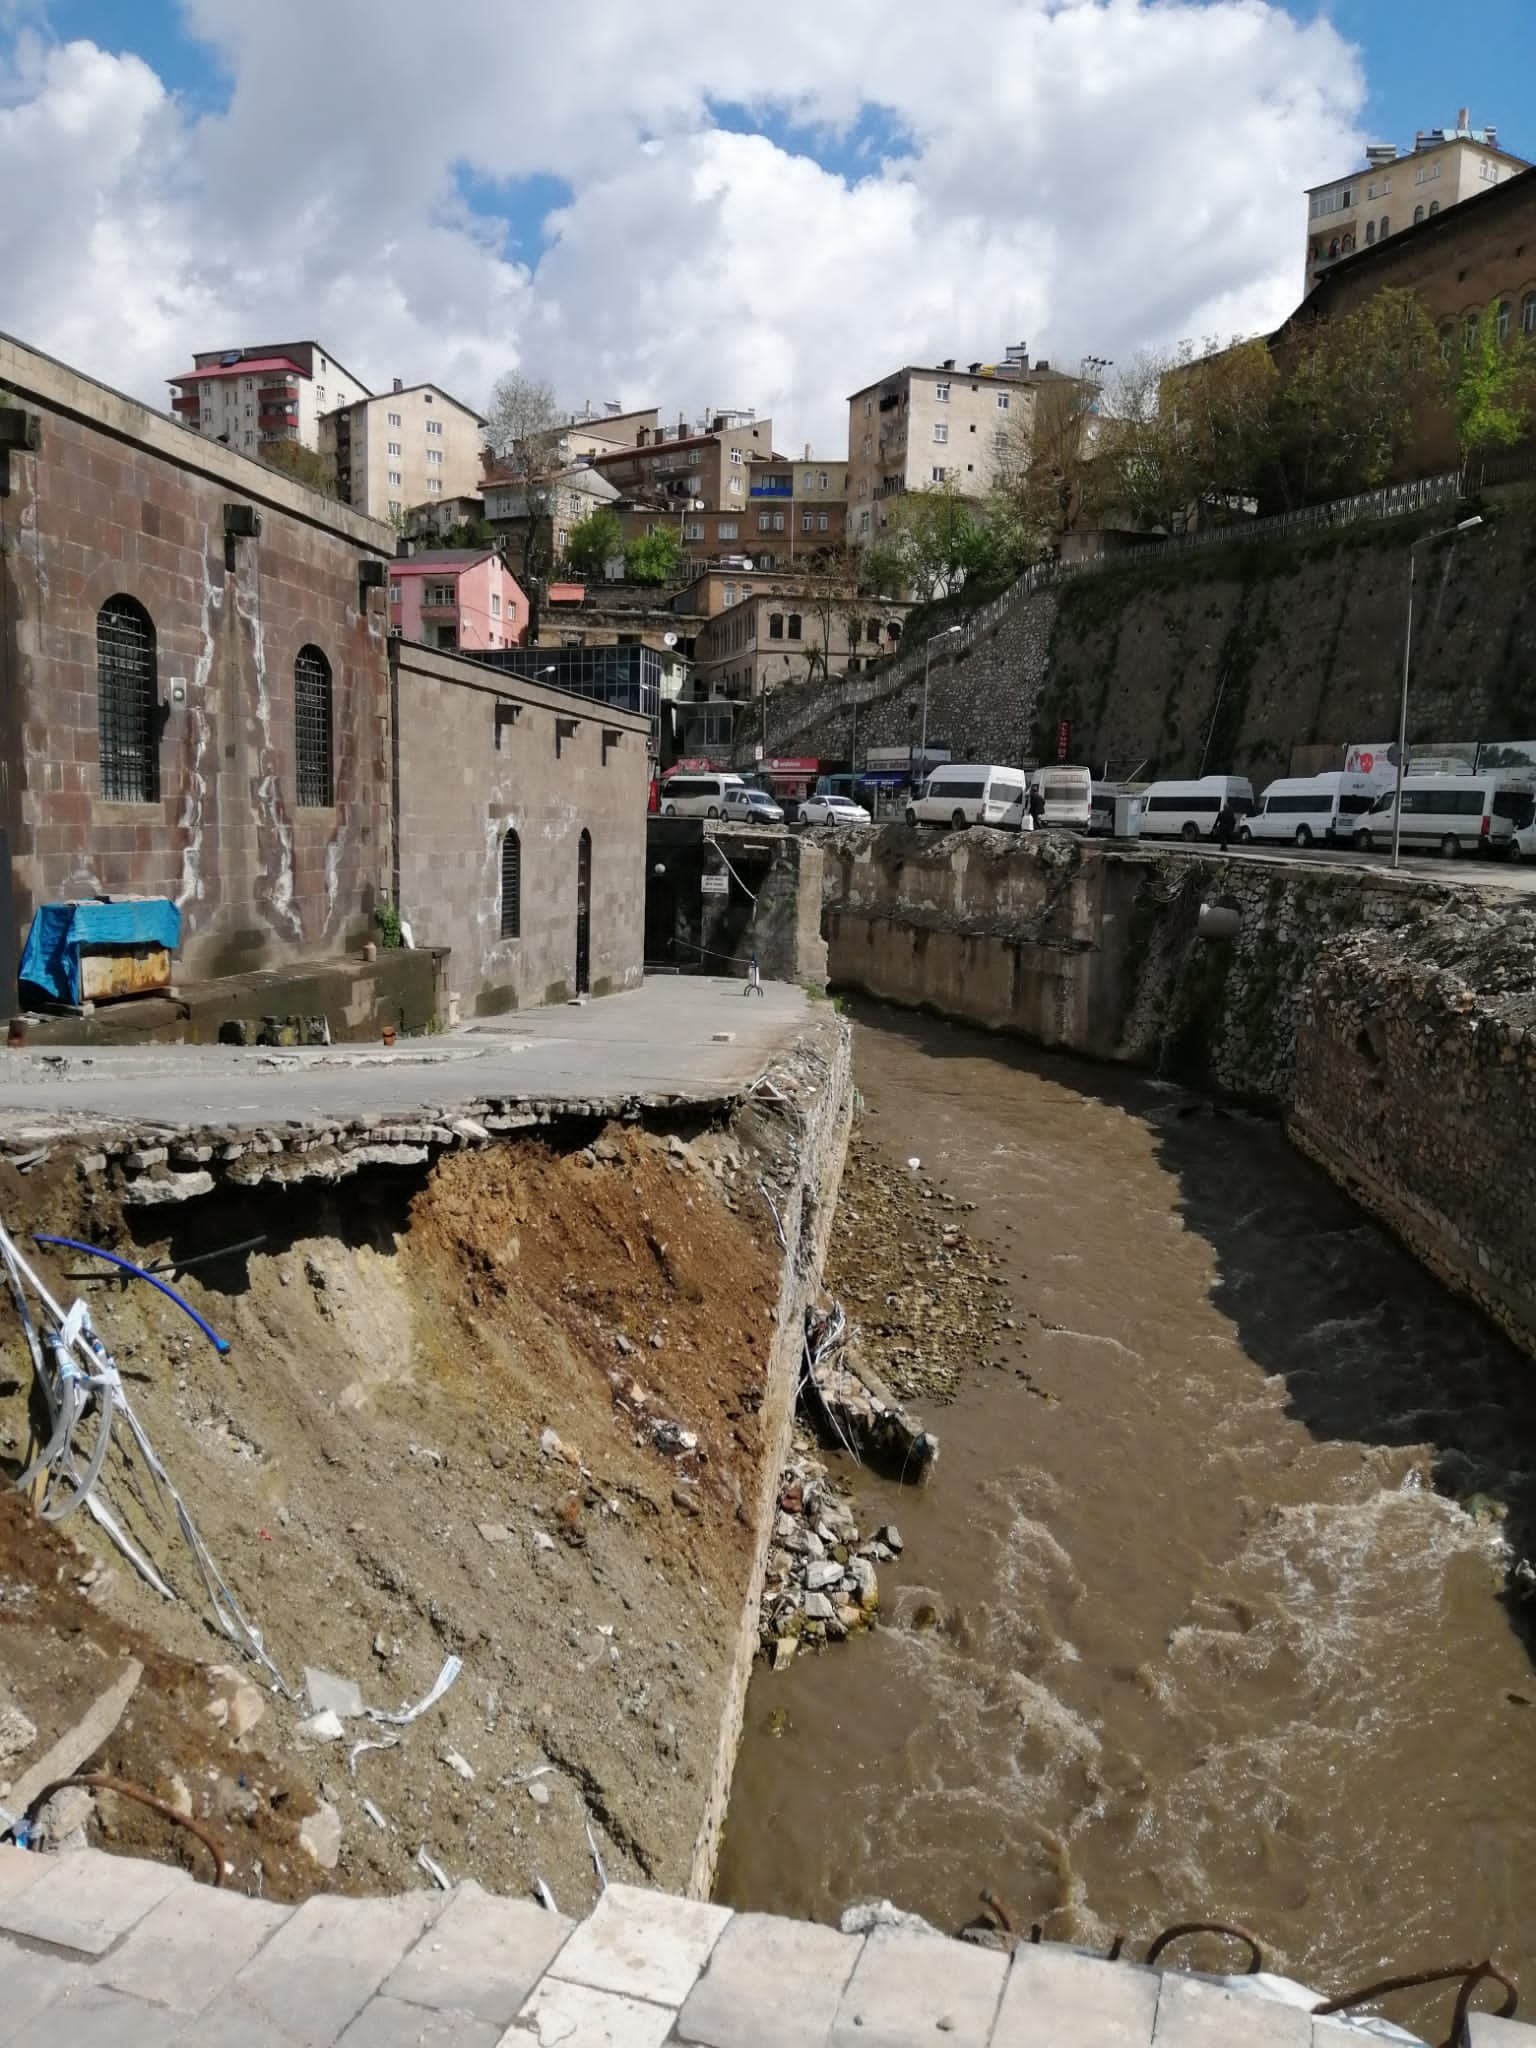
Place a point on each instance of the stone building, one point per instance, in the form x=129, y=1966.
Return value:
x=199, y=702
x=521, y=831
x=1470, y=266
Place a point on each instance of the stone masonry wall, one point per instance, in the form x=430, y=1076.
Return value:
x=1225, y=659
x=467, y=773
x=117, y=501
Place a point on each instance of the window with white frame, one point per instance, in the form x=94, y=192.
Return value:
x=694, y=530
x=822, y=522
x=394, y=419
x=394, y=508
x=938, y=473
x=695, y=457
x=395, y=478
x=863, y=486
x=806, y=485
x=394, y=593
x=394, y=448
x=864, y=522
x=807, y=523
x=1002, y=401
x=435, y=455
x=869, y=408
x=495, y=604
x=764, y=522
x=434, y=485
x=941, y=431
x=735, y=486
x=735, y=455
x=434, y=426
x=726, y=530
x=821, y=480
x=941, y=393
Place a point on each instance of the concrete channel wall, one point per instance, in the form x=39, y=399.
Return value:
x=818, y=1116
x=1391, y=1019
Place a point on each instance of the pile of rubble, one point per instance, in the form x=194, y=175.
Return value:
x=821, y=1584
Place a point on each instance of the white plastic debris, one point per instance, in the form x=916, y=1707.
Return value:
x=434, y=1869
x=389, y=1742
x=375, y=1816
x=458, y=1765
x=327, y=1692
x=322, y=1727
x=913, y=1163
x=452, y=1666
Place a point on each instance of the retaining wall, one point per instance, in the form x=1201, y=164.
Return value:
x=1391, y=1019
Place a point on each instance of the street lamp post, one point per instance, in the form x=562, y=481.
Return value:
x=1461, y=526
x=948, y=633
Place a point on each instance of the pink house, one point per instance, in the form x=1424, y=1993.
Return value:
x=464, y=598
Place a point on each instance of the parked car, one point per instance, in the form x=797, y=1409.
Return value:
x=1188, y=810
x=744, y=806
x=1524, y=847
x=833, y=810
x=1310, y=808
x=696, y=795
x=1067, y=794
x=959, y=795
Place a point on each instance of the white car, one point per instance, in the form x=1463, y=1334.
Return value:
x=1524, y=845
x=750, y=806
x=833, y=810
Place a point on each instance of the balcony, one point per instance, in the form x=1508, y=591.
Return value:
x=186, y=402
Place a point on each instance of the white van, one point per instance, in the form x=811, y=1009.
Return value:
x=1187, y=810
x=1454, y=813
x=696, y=795
x=1312, y=808
x=1068, y=795
x=965, y=794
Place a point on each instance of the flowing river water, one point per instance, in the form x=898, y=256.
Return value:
x=1209, y=1641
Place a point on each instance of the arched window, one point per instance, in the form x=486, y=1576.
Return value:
x=1447, y=342
x=312, y=728
x=775, y=625
x=1504, y=319
x=1434, y=206
x=794, y=625
x=1386, y=223
x=1370, y=233
x=1528, y=313
x=1469, y=332
x=127, y=711
x=511, y=886
x=1418, y=215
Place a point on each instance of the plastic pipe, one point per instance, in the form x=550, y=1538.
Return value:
x=94, y=1252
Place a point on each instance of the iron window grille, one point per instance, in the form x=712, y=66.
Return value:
x=511, y=886
x=312, y=728
x=126, y=708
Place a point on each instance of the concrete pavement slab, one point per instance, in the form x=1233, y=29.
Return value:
x=561, y=2015
x=483, y=1955
x=95, y=2016
x=87, y=1902
x=909, y=1987
x=19, y=1868
x=183, y=1953
x=391, y=2023
x=1056, y=1997
x=29, y=1983
x=769, y=1983
x=1485, y=2032
x=1194, y=2014
x=319, y=1970
x=642, y=1944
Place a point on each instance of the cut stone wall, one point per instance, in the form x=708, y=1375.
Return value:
x=468, y=770
x=117, y=500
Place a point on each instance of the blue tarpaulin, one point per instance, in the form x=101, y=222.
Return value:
x=50, y=966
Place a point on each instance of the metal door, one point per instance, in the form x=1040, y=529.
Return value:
x=584, y=914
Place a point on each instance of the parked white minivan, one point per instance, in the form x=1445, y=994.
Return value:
x=1187, y=810
x=1067, y=794
x=960, y=794
x=696, y=795
x=1452, y=813
x=1312, y=809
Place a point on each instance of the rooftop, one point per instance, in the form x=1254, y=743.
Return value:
x=432, y=560
x=247, y=366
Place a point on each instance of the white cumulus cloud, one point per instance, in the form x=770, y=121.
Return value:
x=1086, y=175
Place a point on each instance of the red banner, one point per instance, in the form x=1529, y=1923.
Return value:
x=1063, y=739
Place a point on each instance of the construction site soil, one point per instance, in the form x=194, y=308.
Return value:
x=506, y=1409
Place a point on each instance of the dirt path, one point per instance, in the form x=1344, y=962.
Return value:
x=507, y=1411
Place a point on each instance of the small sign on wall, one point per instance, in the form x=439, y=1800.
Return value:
x=715, y=885
x=1063, y=739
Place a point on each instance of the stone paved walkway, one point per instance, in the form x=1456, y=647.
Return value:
x=106, y=1952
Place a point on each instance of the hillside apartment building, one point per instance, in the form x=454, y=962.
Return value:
x=1399, y=189
x=253, y=397
x=917, y=428
x=407, y=447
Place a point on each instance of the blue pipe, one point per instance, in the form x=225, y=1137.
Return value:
x=93, y=1252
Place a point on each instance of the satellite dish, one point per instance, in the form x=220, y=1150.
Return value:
x=669, y=639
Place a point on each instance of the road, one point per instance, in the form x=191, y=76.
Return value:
x=1518, y=876
x=691, y=1038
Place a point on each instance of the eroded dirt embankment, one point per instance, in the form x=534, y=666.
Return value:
x=507, y=1407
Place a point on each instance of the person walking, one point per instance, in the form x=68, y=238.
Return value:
x=1036, y=806
x=1226, y=824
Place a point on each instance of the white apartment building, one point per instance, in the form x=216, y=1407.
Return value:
x=249, y=398
x=404, y=448
x=918, y=428
x=1398, y=189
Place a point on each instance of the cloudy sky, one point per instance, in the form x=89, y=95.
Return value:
x=667, y=203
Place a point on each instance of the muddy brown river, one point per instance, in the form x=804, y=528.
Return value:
x=1212, y=1639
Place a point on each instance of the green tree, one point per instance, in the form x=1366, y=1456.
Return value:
x=1182, y=431
x=655, y=557
x=594, y=541
x=1357, y=392
x=936, y=543
x=304, y=465
x=1495, y=389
